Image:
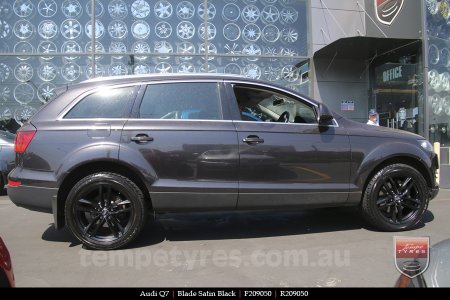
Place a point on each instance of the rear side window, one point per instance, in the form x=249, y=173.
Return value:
x=105, y=103
x=199, y=101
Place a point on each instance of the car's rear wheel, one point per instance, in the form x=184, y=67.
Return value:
x=396, y=198
x=105, y=211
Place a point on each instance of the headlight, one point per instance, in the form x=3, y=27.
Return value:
x=426, y=145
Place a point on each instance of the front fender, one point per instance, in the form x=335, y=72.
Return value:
x=369, y=158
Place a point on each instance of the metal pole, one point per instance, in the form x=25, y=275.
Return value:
x=93, y=37
x=205, y=22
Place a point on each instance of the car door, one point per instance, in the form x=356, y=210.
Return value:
x=285, y=158
x=182, y=142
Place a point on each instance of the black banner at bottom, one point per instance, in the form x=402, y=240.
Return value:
x=238, y=293
x=222, y=293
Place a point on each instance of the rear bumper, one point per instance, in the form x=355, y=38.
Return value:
x=36, y=191
x=32, y=197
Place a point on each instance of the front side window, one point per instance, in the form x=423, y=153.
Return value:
x=194, y=100
x=267, y=106
x=105, y=103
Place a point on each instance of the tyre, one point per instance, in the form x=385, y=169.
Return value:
x=396, y=198
x=105, y=211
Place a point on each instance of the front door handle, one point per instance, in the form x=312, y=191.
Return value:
x=253, y=139
x=141, y=138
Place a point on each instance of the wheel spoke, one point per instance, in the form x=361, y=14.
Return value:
x=97, y=227
x=122, y=210
x=83, y=208
x=393, y=184
x=383, y=200
x=117, y=223
x=86, y=210
x=86, y=229
x=417, y=201
x=399, y=212
x=123, y=202
x=394, y=214
x=389, y=189
x=108, y=193
x=87, y=202
x=112, y=228
x=407, y=185
x=386, y=208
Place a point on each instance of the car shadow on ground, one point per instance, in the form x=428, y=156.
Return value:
x=238, y=225
x=243, y=225
x=255, y=224
x=63, y=235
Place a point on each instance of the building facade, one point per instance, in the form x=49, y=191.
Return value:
x=388, y=55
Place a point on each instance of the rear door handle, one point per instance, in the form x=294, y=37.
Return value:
x=253, y=139
x=141, y=138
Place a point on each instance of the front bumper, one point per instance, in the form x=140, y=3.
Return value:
x=433, y=192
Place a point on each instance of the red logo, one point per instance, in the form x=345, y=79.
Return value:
x=412, y=255
x=387, y=10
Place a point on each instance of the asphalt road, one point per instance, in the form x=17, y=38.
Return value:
x=309, y=248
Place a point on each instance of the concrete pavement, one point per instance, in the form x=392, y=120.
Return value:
x=320, y=247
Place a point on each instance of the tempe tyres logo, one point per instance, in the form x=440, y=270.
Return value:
x=412, y=255
x=387, y=10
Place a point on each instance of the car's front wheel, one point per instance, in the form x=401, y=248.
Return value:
x=105, y=211
x=395, y=198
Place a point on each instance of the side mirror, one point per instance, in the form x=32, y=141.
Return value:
x=325, y=116
x=326, y=120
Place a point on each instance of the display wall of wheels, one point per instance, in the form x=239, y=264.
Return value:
x=438, y=31
x=55, y=42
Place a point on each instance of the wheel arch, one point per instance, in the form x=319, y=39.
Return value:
x=80, y=171
x=411, y=161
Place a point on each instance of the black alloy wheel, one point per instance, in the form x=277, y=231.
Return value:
x=105, y=211
x=395, y=198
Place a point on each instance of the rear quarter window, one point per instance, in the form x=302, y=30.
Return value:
x=105, y=103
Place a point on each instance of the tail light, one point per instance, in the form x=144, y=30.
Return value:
x=23, y=139
x=13, y=183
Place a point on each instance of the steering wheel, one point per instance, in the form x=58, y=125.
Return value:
x=284, y=117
